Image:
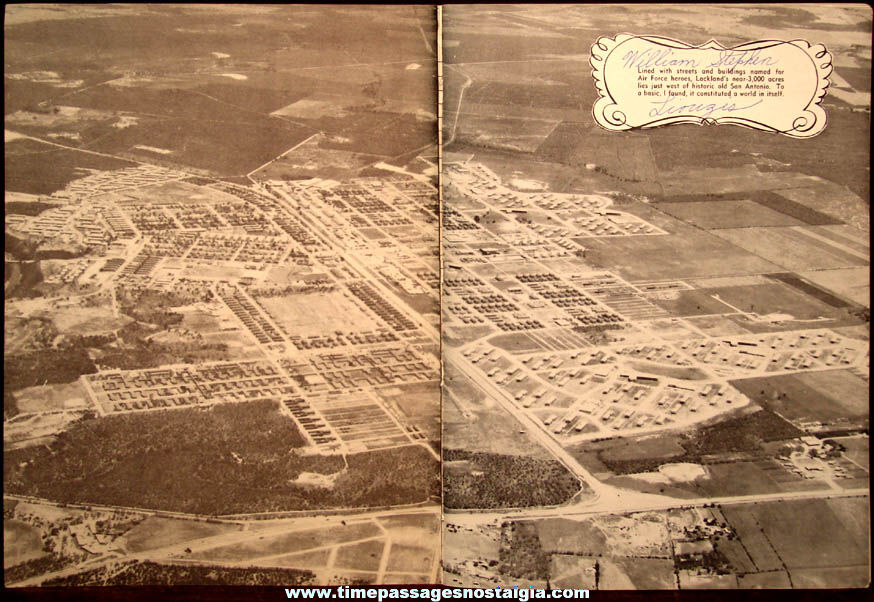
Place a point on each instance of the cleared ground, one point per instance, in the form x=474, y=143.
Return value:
x=157, y=532
x=826, y=396
x=851, y=283
x=856, y=449
x=667, y=257
x=689, y=303
x=714, y=215
x=564, y=536
x=790, y=249
x=774, y=298
x=21, y=543
x=524, y=135
x=315, y=314
x=48, y=398
x=411, y=559
x=362, y=556
x=815, y=533
x=487, y=429
x=648, y=573
x=290, y=542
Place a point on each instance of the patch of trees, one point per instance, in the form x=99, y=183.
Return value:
x=830, y=450
x=505, y=481
x=34, y=567
x=45, y=366
x=713, y=561
x=21, y=278
x=151, y=306
x=225, y=459
x=862, y=313
x=521, y=555
x=153, y=573
x=28, y=250
x=29, y=208
x=137, y=351
x=744, y=433
x=20, y=248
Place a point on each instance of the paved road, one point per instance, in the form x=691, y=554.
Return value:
x=629, y=504
x=358, y=266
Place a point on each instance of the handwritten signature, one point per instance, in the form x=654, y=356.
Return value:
x=668, y=107
x=730, y=59
x=650, y=58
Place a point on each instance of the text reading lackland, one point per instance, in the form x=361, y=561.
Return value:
x=435, y=594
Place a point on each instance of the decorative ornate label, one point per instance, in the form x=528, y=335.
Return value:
x=771, y=85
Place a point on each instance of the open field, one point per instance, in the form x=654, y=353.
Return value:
x=206, y=145
x=212, y=109
x=850, y=283
x=568, y=571
x=662, y=257
x=44, y=169
x=829, y=396
x=86, y=320
x=834, y=200
x=157, y=532
x=846, y=389
x=49, y=398
x=718, y=326
x=832, y=577
x=290, y=542
x=809, y=288
x=714, y=215
x=769, y=580
x=21, y=543
x=485, y=429
x=737, y=478
x=310, y=160
x=813, y=534
x=847, y=130
x=654, y=483
x=625, y=162
x=418, y=402
x=301, y=560
x=524, y=135
x=743, y=432
x=773, y=298
x=363, y=556
x=564, y=536
x=656, y=447
x=647, y=573
x=856, y=449
x=746, y=177
x=406, y=558
x=515, y=343
x=315, y=313
x=790, y=249
x=689, y=303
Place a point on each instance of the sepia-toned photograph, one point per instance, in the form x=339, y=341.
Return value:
x=538, y=298
x=222, y=295
x=655, y=341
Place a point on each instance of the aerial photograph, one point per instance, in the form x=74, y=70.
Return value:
x=655, y=341
x=303, y=295
x=221, y=319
